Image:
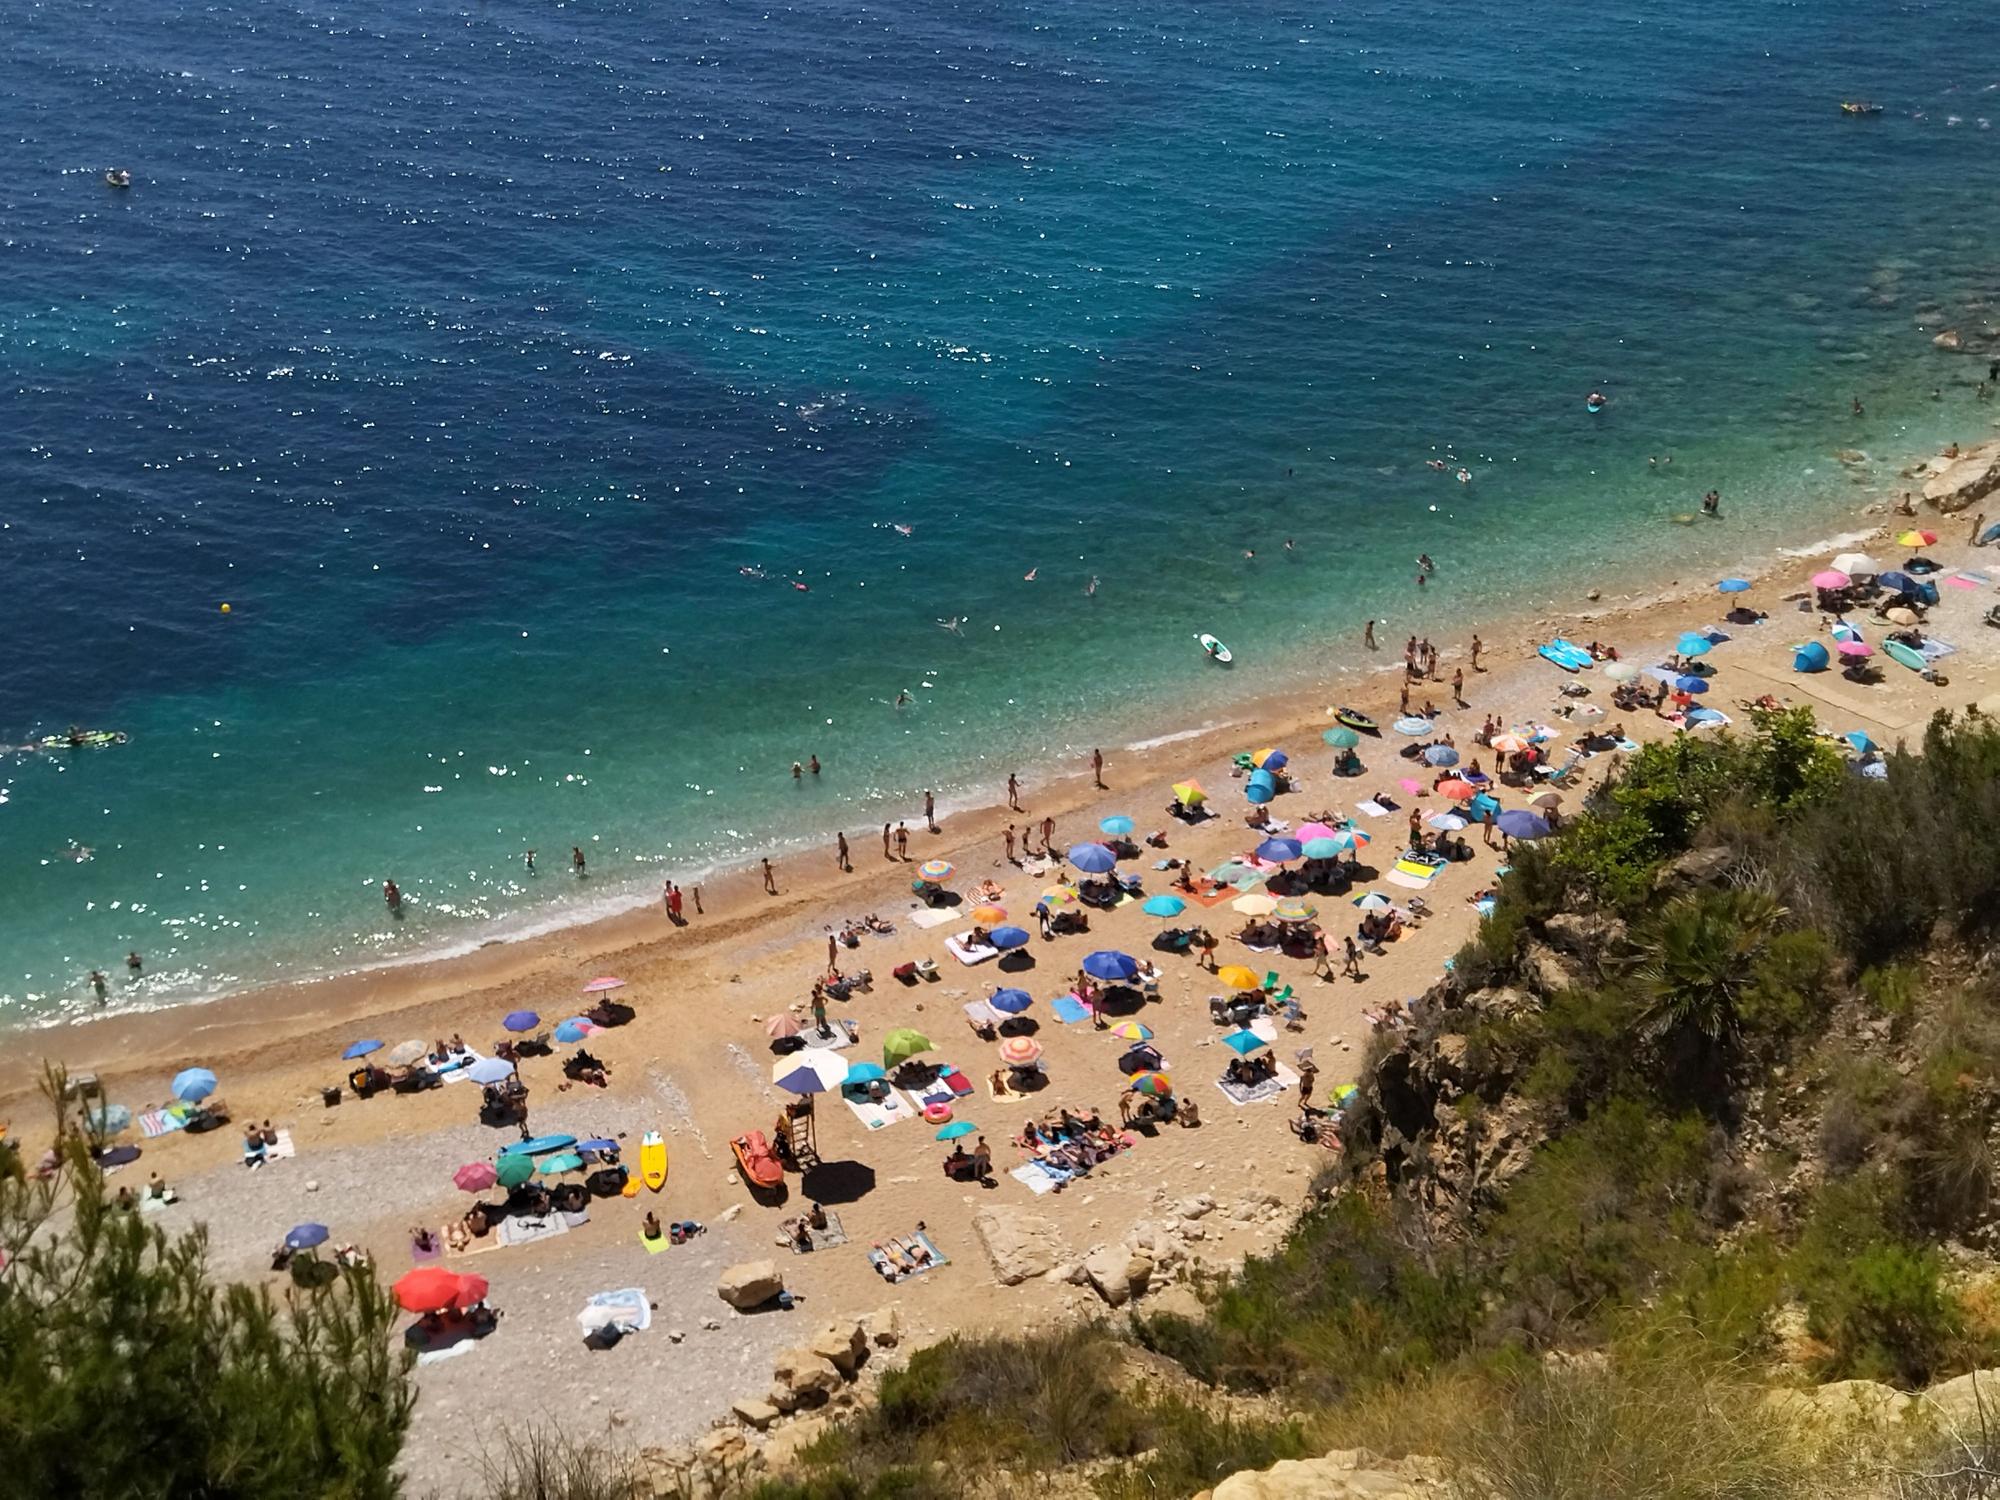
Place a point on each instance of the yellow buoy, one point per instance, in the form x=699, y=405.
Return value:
x=225, y=609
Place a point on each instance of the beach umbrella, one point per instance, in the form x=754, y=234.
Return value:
x=1831, y=578
x=107, y=1119
x=1255, y=904
x=781, y=1025
x=1914, y=538
x=902, y=1044
x=1270, y=760
x=361, y=1049
x=561, y=1162
x=1734, y=586
x=1547, y=797
x=1275, y=851
x=1810, y=657
x=1509, y=743
x=1622, y=671
x=404, y=1053
x=1020, y=1052
x=1059, y=895
x=1482, y=806
x=1325, y=848
x=1243, y=1043
x=1156, y=1084
x=1236, y=977
x=1340, y=737
x=520, y=1020
x=1856, y=562
x=1690, y=684
x=1458, y=791
x=490, y=1070
x=1696, y=717
x=1413, y=724
x=1693, y=643
x=602, y=983
x=1132, y=1031
x=575, y=1029
x=306, y=1236
x=512, y=1171
x=192, y=1085
x=426, y=1289
x=1295, y=910
x=812, y=1071
x=1858, y=738
x=1005, y=938
x=475, y=1177
x=956, y=1129
x=1373, y=901
x=865, y=1072
x=1092, y=859
x=1314, y=830
x=1010, y=1002
x=1518, y=823
x=1855, y=647
x=1900, y=615
x=1445, y=822
x=1354, y=838
x=470, y=1291
x=988, y=914
x=1440, y=755
x=935, y=870
x=1164, y=906
x=1118, y=826
x=1189, y=793
x=1111, y=965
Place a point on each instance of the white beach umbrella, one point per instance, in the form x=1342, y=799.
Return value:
x=1852, y=563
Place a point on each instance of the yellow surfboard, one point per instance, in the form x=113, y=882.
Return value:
x=653, y=1160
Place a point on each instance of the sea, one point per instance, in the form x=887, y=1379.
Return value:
x=483, y=428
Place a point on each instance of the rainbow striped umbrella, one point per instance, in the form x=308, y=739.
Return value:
x=936, y=869
x=1156, y=1084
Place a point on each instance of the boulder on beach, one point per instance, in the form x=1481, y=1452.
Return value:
x=1019, y=1244
x=1958, y=483
x=751, y=1284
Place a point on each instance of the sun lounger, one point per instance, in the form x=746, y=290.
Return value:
x=966, y=952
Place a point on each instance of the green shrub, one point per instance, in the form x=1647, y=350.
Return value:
x=1891, y=988
x=1190, y=1449
x=1884, y=1315
x=1791, y=988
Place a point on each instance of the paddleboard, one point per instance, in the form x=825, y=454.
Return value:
x=1565, y=654
x=1909, y=657
x=1990, y=534
x=653, y=1160
x=1593, y=406
x=1215, y=649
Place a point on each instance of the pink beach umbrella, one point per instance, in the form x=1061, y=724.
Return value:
x=1851, y=647
x=1307, y=832
x=1459, y=791
x=1832, y=578
x=1020, y=1051
x=475, y=1177
x=781, y=1025
x=602, y=983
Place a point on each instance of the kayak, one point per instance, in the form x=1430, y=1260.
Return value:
x=1215, y=649
x=1355, y=719
x=89, y=741
x=1907, y=655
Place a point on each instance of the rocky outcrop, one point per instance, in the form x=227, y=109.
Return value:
x=800, y=1377
x=1352, y=1474
x=751, y=1284
x=1956, y=484
x=1019, y=1245
x=842, y=1345
x=1118, y=1273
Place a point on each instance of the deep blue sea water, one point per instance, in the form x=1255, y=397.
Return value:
x=469, y=351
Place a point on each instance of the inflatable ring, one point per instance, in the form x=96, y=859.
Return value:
x=937, y=1114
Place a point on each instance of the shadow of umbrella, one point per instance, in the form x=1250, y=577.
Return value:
x=835, y=1182
x=1017, y=962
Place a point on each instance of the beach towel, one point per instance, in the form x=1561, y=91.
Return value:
x=823, y=1239
x=1007, y=1093
x=880, y=1261
x=453, y=1069
x=1037, y=864
x=1037, y=1178
x=1962, y=581
x=521, y=1231
x=966, y=953
x=160, y=1122
x=835, y=1038
x=148, y=1204
x=1270, y=1088
x=655, y=1246
x=892, y=1110
x=953, y=1081
x=1933, y=648
x=628, y=1307
x=1414, y=874
x=1068, y=1009
x=284, y=1147
x=448, y=1351
x=436, y=1252
x=1374, y=809
x=933, y=916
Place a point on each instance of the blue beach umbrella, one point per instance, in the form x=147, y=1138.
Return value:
x=956, y=1129
x=1005, y=938
x=1277, y=850
x=520, y=1020
x=1518, y=823
x=1440, y=755
x=1706, y=716
x=1321, y=848
x=575, y=1029
x=192, y=1085
x=361, y=1049
x=1275, y=760
x=1693, y=643
x=305, y=1236
x=864, y=1072
x=561, y=1162
x=1244, y=1042
x=1413, y=724
x=1110, y=965
x=1859, y=739
x=1118, y=827
x=1690, y=684
x=1164, y=906
x=1261, y=787
x=1092, y=859
x=1733, y=586
x=1484, y=806
x=490, y=1070
x=1010, y=1002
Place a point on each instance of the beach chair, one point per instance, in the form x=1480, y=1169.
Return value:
x=798, y=1138
x=1271, y=980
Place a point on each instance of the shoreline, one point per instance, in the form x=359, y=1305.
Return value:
x=116, y=1043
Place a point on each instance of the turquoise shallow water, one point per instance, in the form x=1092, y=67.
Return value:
x=470, y=353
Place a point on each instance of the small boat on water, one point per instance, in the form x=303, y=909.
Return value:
x=1859, y=107
x=118, y=177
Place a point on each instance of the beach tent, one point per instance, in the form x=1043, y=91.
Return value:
x=1261, y=787
x=1811, y=657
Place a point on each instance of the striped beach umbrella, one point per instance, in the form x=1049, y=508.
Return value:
x=935, y=870
x=1159, y=1085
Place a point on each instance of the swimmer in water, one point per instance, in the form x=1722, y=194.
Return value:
x=952, y=624
x=1090, y=588
x=1434, y=463
x=1465, y=476
x=902, y=697
x=902, y=530
x=1424, y=562
x=1029, y=577
x=800, y=587
x=752, y=572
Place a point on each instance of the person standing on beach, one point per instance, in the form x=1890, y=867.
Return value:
x=1013, y=792
x=1458, y=686
x=1476, y=649
x=1009, y=836
x=840, y=852
x=1368, y=635
x=885, y=842
x=667, y=897
x=576, y=860
x=697, y=901
x=1049, y=836
x=1351, y=965
x=902, y=843
x=674, y=903
x=770, y=879
x=930, y=812
x=819, y=1003
x=1097, y=769
x=832, y=958
x=1406, y=693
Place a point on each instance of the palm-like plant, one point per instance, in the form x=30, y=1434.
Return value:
x=1699, y=959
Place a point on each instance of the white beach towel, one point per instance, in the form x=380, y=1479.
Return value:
x=932, y=916
x=454, y=1071
x=1032, y=1177
x=1372, y=808
x=1270, y=1088
x=966, y=953
x=449, y=1351
x=518, y=1231
x=284, y=1147
x=891, y=1111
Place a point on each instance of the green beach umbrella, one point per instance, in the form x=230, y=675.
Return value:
x=561, y=1162
x=956, y=1129
x=902, y=1044
x=514, y=1170
x=1340, y=737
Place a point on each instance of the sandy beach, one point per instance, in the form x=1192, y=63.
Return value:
x=696, y=1063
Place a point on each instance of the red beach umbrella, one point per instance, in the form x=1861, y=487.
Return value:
x=427, y=1289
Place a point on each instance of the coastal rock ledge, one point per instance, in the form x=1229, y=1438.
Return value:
x=1349, y=1474
x=1955, y=484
